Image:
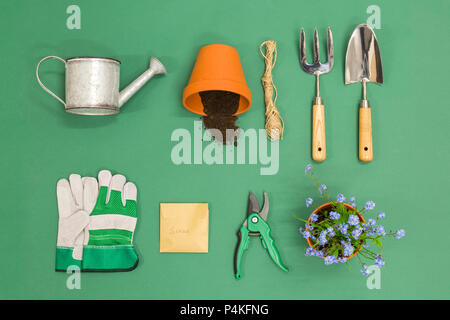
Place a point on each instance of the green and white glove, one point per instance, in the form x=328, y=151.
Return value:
x=108, y=237
x=76, y=199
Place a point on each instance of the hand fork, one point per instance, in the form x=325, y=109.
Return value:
x=319, y=149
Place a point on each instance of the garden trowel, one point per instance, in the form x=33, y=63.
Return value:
x=363, y=64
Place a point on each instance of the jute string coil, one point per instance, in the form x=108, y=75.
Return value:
x=274, y=122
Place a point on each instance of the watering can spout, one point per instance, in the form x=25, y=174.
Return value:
x=156, y=67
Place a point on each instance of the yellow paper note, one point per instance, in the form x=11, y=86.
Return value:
x=184, y=227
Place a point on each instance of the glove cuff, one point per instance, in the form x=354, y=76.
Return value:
x=64, y=259
x=109, y=258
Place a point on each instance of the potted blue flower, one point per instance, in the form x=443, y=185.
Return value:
x=337, y=231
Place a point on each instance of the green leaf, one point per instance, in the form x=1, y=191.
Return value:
x=306, y=221
x=378, y=242
x=336, y=253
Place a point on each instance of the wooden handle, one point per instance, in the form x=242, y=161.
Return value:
x=319, y=149
x=365, y=135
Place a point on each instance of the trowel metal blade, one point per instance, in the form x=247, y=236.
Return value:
x=363, y=59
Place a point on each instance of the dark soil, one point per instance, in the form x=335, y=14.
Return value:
x=220, y=107
x=321, y=217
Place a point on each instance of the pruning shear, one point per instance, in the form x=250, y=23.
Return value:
x=255, y=225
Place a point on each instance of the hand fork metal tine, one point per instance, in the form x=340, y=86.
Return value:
x=330, y=48
x=303, y=61
x=316, y=47
x=316, y=67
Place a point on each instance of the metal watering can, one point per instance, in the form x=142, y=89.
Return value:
x=92, y=84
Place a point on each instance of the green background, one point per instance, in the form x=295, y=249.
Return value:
x=408, y=179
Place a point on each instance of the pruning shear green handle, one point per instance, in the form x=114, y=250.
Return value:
x=241, y=247
x=255, y=225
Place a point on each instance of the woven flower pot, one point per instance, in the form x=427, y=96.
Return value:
x=327, y=206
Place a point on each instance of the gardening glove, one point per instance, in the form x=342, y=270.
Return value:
x=76, y=199
x=109, y=234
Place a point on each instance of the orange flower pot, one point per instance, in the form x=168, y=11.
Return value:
x=328, y=205
x=217, y=67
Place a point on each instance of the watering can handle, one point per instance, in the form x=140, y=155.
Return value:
x=39, y=80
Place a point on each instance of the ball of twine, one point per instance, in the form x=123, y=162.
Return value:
x=274, y=122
